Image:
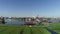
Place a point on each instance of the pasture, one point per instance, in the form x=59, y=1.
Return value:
x=25, y=29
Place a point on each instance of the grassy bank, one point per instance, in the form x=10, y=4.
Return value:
x=55, y=27
x=21, y=29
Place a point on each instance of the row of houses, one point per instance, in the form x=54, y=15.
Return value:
x=29, y=19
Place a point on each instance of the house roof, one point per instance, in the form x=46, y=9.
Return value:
x=29, y=23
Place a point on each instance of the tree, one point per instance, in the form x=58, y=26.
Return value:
x=48, y=18
x=3, y=21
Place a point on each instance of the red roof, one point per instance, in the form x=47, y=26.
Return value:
x=29, y=23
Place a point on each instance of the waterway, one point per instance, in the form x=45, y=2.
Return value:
x=13, y=21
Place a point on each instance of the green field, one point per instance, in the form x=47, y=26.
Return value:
x=23, y=29
x=55, y=27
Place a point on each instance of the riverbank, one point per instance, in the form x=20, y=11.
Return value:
x=55, y=27
x=28, y=29
x=21, y=29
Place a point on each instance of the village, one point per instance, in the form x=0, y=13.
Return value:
x=31, y=20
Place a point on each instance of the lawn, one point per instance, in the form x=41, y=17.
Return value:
x=24, y=29
x=21, y=29
x=55, y=27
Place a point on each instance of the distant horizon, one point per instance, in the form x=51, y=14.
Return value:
x=33, y=16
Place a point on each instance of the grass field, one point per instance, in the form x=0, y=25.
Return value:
x=21, y=29
x=55, y=27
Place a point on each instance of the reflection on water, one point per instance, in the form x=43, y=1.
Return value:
x=54, y=20
x=12, y=21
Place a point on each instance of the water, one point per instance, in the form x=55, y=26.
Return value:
x=12, y=21
x=52, y=32
x=54, y=20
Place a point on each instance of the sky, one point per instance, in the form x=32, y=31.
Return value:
x=27, y=8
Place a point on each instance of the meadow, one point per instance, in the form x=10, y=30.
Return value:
x=21, y=29
x=55, y=27
x=24, y=29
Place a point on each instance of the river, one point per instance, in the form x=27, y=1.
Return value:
x=13, y=21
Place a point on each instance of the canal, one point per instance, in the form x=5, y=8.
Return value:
x=13, y=21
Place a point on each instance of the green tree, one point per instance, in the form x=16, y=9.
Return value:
x=48, y=18
x=3, y=21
